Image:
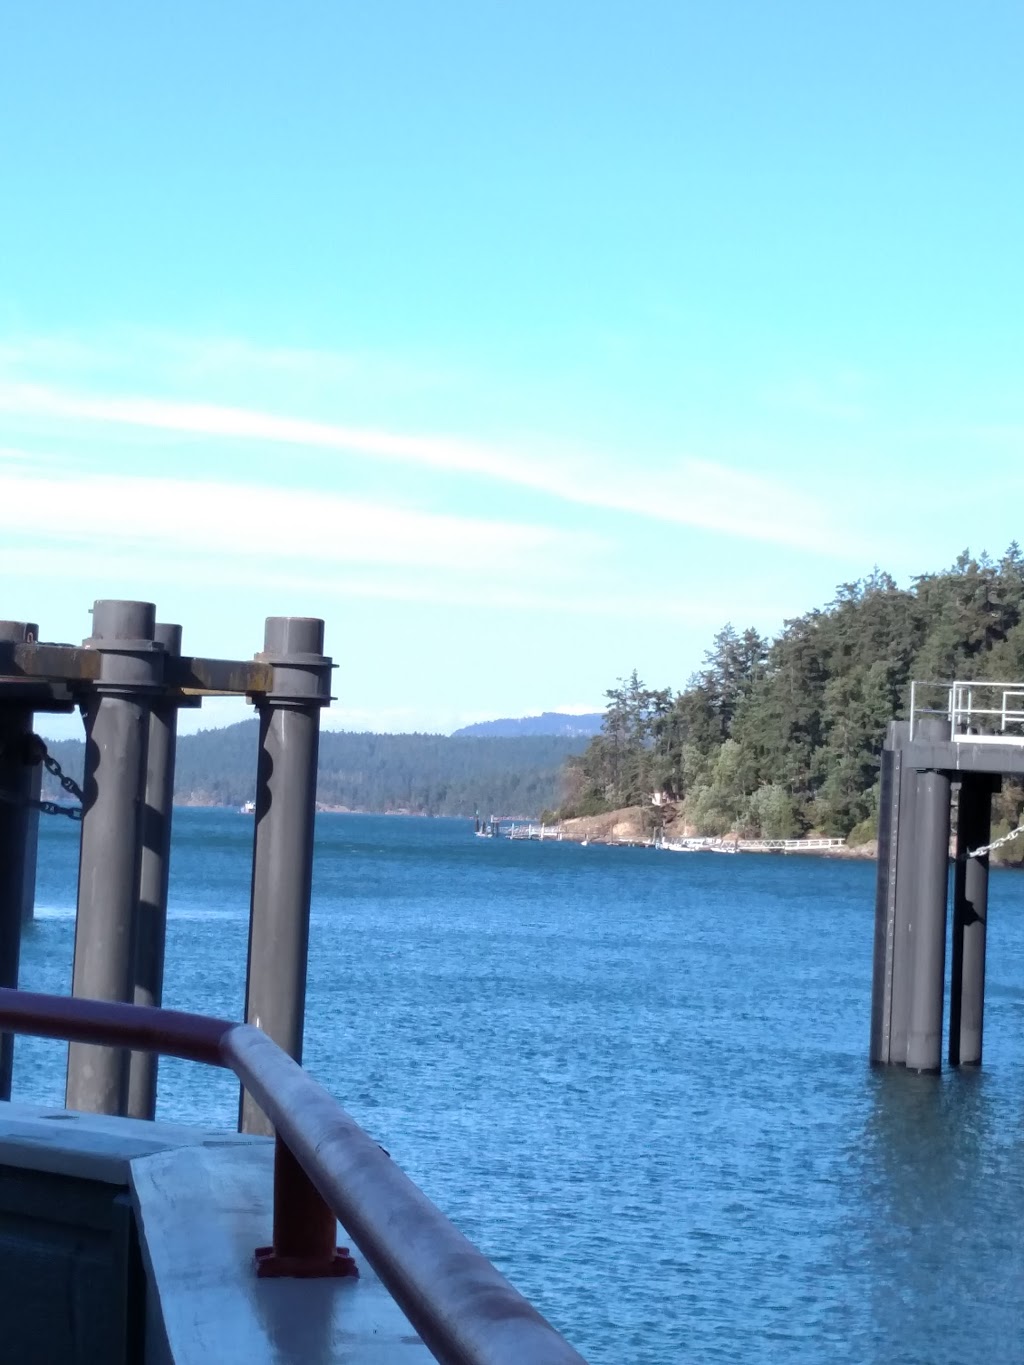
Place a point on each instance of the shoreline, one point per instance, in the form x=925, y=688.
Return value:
x=625, y=826
x=614, y=829
x=324, y=808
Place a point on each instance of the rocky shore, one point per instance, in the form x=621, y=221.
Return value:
x=627, y=826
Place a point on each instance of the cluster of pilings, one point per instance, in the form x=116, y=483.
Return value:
x=130, y=679
x=919, y=778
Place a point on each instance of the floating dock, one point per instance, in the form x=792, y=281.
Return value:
x=714, y=845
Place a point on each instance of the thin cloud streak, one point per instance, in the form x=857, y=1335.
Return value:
x=130, y=570
x=178, y=358
x=269, y=524
x=695, y=493
x=207, y=419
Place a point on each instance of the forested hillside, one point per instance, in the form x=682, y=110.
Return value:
x=776, y=737
x=422, y=774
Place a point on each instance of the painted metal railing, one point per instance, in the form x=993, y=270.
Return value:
x=725, y=845
x=326, y=1168
x=978, y=712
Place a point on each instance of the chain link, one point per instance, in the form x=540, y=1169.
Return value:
x=35, y=751
x=44, y=807
x=67, y=783
x=996, y=843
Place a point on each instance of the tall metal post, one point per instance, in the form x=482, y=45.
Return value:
x=35, y=791
x=885, y=898
x=970, y=922
x=282, y=865
x=905, y=874
x=117, y=733
x=154, y=869
x=16, y=783
x=892, y=979
x=928, y=925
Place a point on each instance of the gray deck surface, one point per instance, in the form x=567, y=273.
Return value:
x=201, y=1213
x=203, y=1203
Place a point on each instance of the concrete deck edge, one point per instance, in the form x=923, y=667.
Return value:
x=201, y=1212
x=94, y=1146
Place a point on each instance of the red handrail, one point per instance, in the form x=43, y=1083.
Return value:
x=327, y=1167
x=142, y=1028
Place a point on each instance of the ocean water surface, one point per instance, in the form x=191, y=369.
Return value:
x=637, y=1080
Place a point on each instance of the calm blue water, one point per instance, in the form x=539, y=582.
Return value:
x=637, y=1080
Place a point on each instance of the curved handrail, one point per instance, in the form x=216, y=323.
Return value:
x=143, y=1028
x=464, y=1309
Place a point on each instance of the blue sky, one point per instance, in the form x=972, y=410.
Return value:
x=526, y=344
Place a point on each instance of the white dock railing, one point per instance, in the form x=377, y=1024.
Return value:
x=533, y=829
x=716, y=845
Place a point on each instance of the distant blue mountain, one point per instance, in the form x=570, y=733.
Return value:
x=550, y=723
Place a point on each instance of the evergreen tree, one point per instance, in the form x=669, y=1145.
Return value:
x=784, y=736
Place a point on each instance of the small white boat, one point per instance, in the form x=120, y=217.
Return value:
x=248, y=809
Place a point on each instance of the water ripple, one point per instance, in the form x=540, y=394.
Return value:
x=638, y=1081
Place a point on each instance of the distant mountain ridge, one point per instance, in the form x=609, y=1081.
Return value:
x=416, y=774
x=547, y=723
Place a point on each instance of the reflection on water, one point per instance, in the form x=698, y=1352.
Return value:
x=942, y=1167
x=638, y=1080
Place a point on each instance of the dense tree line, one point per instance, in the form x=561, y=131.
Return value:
x=779, y=737
x=421, y=774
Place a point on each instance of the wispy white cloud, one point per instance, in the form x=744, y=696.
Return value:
x=690, y=492
x=167, y=357
x=199, y=533
x=30, y=461
x=212, y=420
x=221, y=533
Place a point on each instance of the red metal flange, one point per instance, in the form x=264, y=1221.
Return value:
x=271, y=1266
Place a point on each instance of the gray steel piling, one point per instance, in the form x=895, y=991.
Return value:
x=928, y=924
x=283, y=837
x=154, y=868
x=17, y=822
x=905, y=874
x=885, y=901
x=117, y=733
x=35, y=790
x=970, y=923
x=891, y=978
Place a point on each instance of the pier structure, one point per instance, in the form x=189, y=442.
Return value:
x=718, y=844
x=939, y=771
x=156, y=1242
x=129, y=678
x=532, y=829
x=514, y=827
